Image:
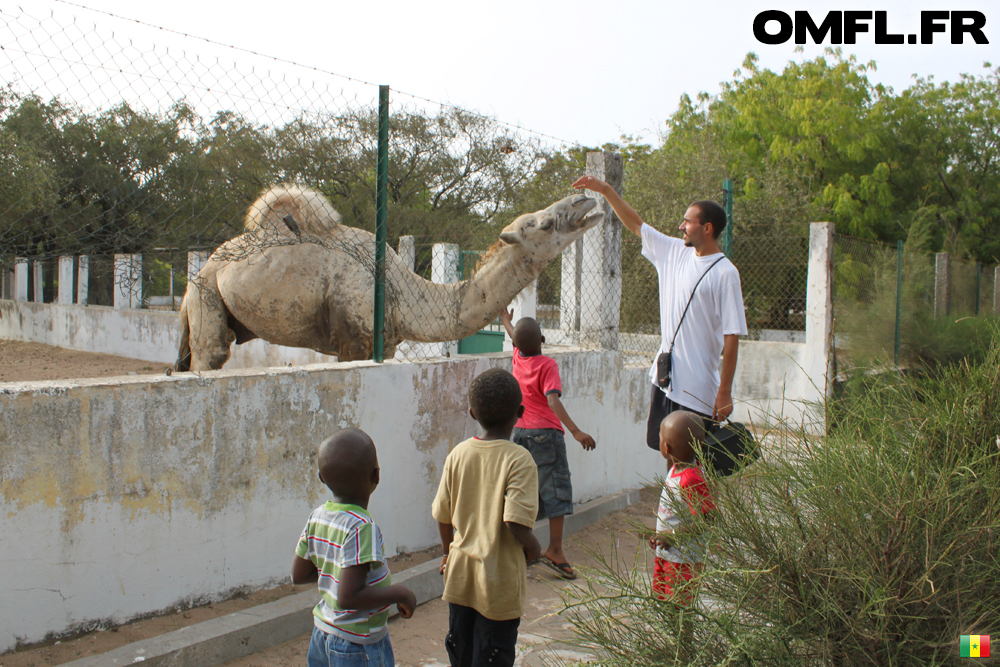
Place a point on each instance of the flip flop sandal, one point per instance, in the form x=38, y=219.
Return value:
x=564, y=570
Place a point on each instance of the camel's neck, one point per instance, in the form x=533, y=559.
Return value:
x=431, y=312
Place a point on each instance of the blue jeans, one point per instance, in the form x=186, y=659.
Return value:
x=326, y=650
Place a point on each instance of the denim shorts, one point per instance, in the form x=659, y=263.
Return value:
x=548, y=448
x=327, y=650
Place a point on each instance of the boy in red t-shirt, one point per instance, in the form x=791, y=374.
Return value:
x=540, y=432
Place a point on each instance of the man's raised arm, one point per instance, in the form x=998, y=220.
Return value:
x=625, y=213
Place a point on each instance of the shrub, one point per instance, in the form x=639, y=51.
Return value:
x=876, y=545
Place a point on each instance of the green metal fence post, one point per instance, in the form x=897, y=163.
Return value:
x=727, y=233
x=381, y=209
x=979, y=285
x=899, y=299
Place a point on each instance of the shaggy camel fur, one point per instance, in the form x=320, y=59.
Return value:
x=297, y=277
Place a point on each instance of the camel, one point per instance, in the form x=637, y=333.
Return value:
x=298, y=277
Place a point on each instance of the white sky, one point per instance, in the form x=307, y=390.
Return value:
x=581, y=71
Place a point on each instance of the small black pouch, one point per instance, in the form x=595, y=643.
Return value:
x=663, y=369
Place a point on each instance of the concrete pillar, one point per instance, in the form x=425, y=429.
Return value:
x=444, y=270
x=38, y=278
x=524, y=305
x=83, y=280
x=601, y=265
x=407, y=251
x=20, y=278
x=65, y=281
x=996, y=291
x=942, y=277
x=569, y=290
x=819, y=311
x=128, y=281
x=196, y=260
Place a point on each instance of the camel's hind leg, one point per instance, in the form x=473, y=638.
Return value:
x=210, y=336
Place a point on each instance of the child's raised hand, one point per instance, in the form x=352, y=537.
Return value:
x=407, y=606
x=506, y=317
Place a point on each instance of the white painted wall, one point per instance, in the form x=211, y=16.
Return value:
x=130, y=495
x=150, y=335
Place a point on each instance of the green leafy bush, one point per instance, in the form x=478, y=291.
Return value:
x=876, y=545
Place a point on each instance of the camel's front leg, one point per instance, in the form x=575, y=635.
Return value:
x=210, y=336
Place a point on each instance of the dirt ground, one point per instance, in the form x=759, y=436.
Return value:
x=418, y=641
x=28, y=362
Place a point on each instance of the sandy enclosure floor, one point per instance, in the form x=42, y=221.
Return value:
x=29, y=362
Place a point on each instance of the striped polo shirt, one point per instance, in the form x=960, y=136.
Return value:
x=339, y=536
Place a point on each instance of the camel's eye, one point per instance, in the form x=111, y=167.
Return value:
x=546, y=222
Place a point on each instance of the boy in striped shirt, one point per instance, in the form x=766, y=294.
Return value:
x=341, y=548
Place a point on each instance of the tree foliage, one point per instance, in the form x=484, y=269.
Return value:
x=126, y=180
x=820, y=141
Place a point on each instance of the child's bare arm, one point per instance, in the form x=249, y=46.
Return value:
x=353, y=592
x=303, y=571
x=447, y=533
x=559, y=409
x=507, y=319
x=523, y=534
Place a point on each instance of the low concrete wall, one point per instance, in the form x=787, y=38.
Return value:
x=772, y=383
x=125, y=496
x=149, y=335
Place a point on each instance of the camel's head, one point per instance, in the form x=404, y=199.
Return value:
x=548, y=232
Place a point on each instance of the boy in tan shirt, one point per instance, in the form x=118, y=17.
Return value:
x=485, y=508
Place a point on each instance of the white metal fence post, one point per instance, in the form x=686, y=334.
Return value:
x=83, y=280
x=20, y=278
x=65, y=280
x=601, y=270
x=819, y=308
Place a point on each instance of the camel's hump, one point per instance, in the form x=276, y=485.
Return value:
x=310, y=211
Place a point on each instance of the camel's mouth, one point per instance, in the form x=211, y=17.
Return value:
x=584, y=215
x=591, y=219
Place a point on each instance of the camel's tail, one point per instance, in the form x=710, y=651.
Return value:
x=184, y=348
x=310, y=211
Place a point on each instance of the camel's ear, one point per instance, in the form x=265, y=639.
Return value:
x=510, y=238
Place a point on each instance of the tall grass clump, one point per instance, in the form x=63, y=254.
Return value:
x=874, y=545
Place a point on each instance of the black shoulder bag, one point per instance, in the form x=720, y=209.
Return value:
x=730, y=447
x=663, y=362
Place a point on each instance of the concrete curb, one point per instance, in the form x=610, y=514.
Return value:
x=245, y=632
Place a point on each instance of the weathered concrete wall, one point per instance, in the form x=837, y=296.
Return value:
x=150, y=335
x=125, y=496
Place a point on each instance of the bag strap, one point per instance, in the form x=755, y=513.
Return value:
x=690, y=299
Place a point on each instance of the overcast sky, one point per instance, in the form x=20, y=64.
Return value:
x=582, y=71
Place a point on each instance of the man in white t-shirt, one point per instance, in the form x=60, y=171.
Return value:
x=714, y=321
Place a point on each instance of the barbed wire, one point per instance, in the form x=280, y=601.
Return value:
x=443, y=105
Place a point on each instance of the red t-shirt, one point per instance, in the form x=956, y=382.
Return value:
x=538, y=376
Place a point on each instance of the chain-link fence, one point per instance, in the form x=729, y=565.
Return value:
x=131, y=159
x=895, y=306
x=126, y=163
